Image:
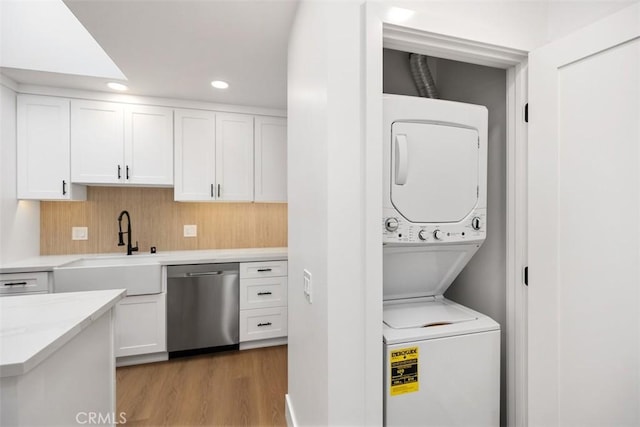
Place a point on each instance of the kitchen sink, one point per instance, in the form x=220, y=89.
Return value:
x=139, y=275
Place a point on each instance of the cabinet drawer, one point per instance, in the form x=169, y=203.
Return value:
x=20, y=283
x=263, y=323
x=263, y=292
x=252, y=270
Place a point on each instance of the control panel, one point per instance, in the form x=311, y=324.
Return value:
x=396, y=229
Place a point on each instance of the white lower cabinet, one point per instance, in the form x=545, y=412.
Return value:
x=263, y=304
x=141, y=325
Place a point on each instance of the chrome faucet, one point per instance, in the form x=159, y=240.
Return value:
x=130, y=249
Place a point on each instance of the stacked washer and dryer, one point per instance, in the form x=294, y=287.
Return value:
x=441, y=359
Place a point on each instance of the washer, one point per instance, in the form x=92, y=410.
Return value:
x=441, y=359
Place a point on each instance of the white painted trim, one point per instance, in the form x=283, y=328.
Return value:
x=447, y=47
x=372, y=204
x=141, y=358
x=8, y=83
x=147, y=100
x=514, y=61
x=516, y=246
x=521, y=258
x=288, y=413
x=248, y=345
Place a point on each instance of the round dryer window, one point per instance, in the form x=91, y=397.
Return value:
x=434, y=171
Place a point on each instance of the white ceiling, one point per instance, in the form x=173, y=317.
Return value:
x=176, y=48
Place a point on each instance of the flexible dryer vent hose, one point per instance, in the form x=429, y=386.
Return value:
x=422, y=76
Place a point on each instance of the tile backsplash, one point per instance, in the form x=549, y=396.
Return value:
x=157, y=220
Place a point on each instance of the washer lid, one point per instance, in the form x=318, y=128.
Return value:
x=434, y=171
x=424, y=314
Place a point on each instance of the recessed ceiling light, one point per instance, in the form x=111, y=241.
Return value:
x=117, y=86
x=219, y=84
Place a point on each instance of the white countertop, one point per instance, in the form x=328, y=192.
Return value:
x=32, y=327
x=48, y=263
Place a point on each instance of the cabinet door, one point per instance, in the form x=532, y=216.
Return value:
x=148, y=145
x=97, y=142
x=43, y=165
x=195, y=155
x=234, y=157
x=270, y=159
x=141, y=325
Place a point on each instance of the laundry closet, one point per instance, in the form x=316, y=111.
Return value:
x=481, y=285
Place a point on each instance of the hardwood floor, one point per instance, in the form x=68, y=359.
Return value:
x=240, y=388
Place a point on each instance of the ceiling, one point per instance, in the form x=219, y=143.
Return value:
x=176, y=48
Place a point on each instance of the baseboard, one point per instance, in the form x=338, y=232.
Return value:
x=247, y=345
x=142, y=358
x=289, y=414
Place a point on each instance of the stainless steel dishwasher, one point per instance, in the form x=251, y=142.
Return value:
x=202, y=308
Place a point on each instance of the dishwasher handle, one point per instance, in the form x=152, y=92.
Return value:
x=205, y=273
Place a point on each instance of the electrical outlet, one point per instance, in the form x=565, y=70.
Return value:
x=79, y=233
x=308, y=289
x=190, y=230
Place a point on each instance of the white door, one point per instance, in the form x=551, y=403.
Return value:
x=270, y=159
x=148, y=145
x=234, y=157
x=195, y=155
x=97, y=142
x=584, y=227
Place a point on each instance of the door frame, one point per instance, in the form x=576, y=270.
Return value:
x=379, y=34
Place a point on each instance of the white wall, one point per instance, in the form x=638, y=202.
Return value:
x=509, y=23
x=328, y=352
x=523, y=25
x=19, y=220
x=565, y=16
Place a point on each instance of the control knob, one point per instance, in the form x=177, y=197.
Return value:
x=475, y=223
x=391, y=224
x=438, y=234
x=422, y=235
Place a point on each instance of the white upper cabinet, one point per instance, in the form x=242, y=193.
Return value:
x=43, y=159
x=121, y=144
x=270, y=165
x=234, y=157
x=195, y=155
x=148, y=142
x=97, y=142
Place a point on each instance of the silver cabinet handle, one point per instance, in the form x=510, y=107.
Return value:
x=206, y=273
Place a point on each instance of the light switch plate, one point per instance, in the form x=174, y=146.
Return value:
x=190, y=230
x=79, y=233
x=308, y=288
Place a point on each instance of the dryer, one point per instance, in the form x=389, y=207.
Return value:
x=442, y=360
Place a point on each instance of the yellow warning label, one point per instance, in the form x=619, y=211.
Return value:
x=404, y=371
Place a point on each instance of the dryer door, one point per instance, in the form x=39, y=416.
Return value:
x=434, y=171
